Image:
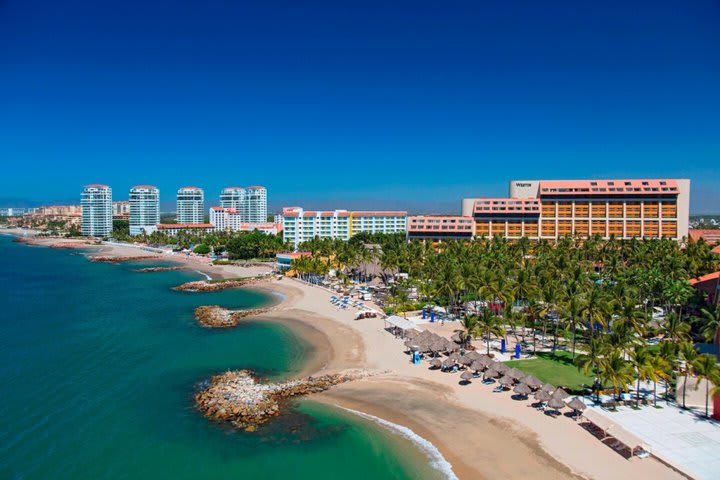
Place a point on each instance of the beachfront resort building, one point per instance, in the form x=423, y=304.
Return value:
x=249, y=202
x=172, y=229
x=300, y=225
x=190, y=205
x=229, y=219
x=96, y=210
x=144, y=209
x=549, y=209
x=440, y=227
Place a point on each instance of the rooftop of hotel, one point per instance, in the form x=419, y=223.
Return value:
x=705, y=278
x=608, y=186
x=96, y=185
x=144, y=186
x=197, y=189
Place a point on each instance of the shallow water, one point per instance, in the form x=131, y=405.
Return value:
x=98, y=365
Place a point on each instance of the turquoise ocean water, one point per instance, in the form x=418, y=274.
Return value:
x=98, y=365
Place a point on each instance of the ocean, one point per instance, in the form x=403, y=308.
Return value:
x=98, y=366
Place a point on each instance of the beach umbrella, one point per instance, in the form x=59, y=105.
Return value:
x=542, y=396
x=522, y=389
x=577, y=405
x=532, y=382
x=560, y=394
x=548, y=388
x=409, y=343
x=473, y=355
x=467, y=376
x=556, y=403
x=456, y=338
x=436, y=363
x=411, y=333
x=515, y=374
x=454, y=356
x=477, y=365
x=447, y=363
x=486, y=361
x=465, y=360
x=451, y=346
x=491, y=373
x=506, y=381
x=501, y=367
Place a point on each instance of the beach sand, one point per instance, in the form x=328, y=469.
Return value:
x=482, y=434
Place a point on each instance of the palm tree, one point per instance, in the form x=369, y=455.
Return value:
x=590, y=361
x=490, y=324
x=688, y=354
x=711, y=329
x=641, y=360
x=615, y=370
x=675, y=329
x=471, y=328
x=707, y=369
x=659, y=370
x=572, y=309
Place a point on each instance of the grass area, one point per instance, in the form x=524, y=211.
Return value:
x=555, y=368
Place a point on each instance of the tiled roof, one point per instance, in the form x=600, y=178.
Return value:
x=705, y=278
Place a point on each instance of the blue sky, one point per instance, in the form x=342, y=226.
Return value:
x=356, y=104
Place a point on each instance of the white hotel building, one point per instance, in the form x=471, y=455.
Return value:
x=250, y=203
x=144, y=209
x=230, y=219
x=97, y=210
x=300, y=226
x=190, y=205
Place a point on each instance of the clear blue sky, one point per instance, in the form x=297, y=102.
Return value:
x=345, y=104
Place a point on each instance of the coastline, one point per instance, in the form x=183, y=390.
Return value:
x=479, y=433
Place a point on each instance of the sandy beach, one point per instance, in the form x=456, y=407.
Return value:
x=482, y=434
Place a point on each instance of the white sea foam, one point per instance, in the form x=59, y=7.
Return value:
x=208, y=277
x=437, y=461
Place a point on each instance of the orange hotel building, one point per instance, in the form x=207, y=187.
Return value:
x=549, y=209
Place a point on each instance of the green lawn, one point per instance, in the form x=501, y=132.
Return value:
x=554, y=368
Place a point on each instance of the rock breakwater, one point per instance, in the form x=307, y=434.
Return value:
x=239, y=398
x=157, y=269
x=216, y=285
x=214, y=316
x=113, y=259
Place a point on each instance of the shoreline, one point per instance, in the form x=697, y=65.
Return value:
x=480, y=434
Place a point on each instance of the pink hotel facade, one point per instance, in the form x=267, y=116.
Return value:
x=549, y=209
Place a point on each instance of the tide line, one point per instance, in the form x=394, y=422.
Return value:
x=437, y=461
x=208, y=277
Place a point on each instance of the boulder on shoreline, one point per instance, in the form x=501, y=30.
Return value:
x=238, y=398
x=214, y=286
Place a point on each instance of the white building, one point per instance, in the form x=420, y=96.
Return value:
x=232, y=197
x=144, y=209
x=96, y=206
x=255, y=210
x=300, y=226
x=229, y=219
x=190, y=205
x=249, y=202
x=173, y=229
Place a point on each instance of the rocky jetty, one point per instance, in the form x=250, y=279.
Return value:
x=113, y=259
x=214, y=316
x=216, y=285
x=239, y=398
x=157, y=269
